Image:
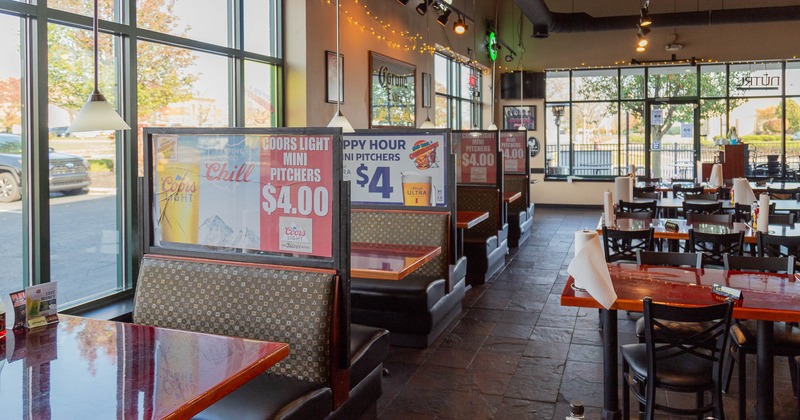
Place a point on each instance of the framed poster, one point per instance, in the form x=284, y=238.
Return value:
x=427, y=87
x=392, y=99
x=331, y=64
x=513, y=144
x=513, y=116
x=476, y=154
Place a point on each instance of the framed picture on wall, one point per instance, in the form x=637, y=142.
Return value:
x=427, y=87
x=513, y=116
x=331, y=63
x=392, y=87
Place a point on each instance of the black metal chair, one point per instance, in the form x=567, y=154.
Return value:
x=778, y=246
x=741, y=212
x=723, y=219
x=724, y=193
x=704, y=208
x=784, y=193
x=714, y=245
x=782, y=219
x=648, y=180
x=701, y=196
x=676, y=362
x=785, y=336
x=621, y=245
x=678, y=190
x=671, y=259
x=638, y=215
x=647, y=195
x=634, y=207
x=645, y=189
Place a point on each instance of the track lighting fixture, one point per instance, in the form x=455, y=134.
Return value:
x=644, y=19
x=444, y=17
x=509, y=57
x=639, y=49
x=403, y=2
x=460, y=27
x=644, y=30
x=642, y=40
x=422, y=8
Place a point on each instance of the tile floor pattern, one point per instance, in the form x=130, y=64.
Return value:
x=515, y=353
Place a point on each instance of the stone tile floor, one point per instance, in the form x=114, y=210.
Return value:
x=515, y=353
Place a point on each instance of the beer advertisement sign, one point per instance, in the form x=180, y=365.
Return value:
x=396, y=169
x=476, y=154
x=513, y=144
x=268, y=193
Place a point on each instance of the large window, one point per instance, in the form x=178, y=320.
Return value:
x=80, y=227
x=458, y=94
x=596, y=118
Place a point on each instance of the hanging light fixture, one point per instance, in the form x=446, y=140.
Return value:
x=339, y=120
x=444, y=17
x=644, y=19
x=460, y=27
x=403, y=2
x=422, y=8
x=97, y=114
x=639, y=49
x=428, y=123
x=642, y=41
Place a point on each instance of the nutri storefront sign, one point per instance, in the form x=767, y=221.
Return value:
x=270, y=193
x=405, y=169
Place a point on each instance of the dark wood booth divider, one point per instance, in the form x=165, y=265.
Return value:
x=246, y=233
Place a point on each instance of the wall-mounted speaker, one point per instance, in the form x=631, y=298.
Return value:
x=532, y=85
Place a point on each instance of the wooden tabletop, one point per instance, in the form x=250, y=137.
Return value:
x=94, y=369
x=683, y=228
x=510, y=197
x=388, y=261
x=468, y=219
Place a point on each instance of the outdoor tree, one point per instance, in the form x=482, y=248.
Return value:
x=163, y=71
x=10, y=103
x=792, y=115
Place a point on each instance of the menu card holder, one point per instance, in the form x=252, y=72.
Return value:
x=671, y=226
x=41, y=305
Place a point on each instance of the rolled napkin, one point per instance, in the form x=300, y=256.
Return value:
x=716, y=176
x=742, y=192
x=623, y=188
x=608, y=208
x=699, y=172
x=763, y=213
x=589, y=268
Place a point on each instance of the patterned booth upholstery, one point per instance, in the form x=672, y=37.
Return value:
x=486, y=244
x=520, y=216
x=417, y=308
x=286, y=304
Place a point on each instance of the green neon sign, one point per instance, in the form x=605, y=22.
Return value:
x=492, y=41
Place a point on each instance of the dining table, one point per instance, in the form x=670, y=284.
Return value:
x=767, y=297
x=388, y=261
x=671, y=204
x=466, y=220
x=660, y=230
x=96, y=369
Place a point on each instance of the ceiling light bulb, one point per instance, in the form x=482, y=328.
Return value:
x=642, y=40
x=638, y=49
x=460, y=27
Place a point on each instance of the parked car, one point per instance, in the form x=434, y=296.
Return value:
x=762, y=170
x=59, y=131
x=69, y=174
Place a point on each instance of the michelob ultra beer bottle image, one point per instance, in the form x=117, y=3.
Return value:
x=178, y=198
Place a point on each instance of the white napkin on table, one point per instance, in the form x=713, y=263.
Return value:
x=763, y=213
x=742, y=191
x=589, y=268
x=716, y=179
x=623, y=188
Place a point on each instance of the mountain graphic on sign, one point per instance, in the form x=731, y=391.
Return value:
x=245, y=239
x=214, y=231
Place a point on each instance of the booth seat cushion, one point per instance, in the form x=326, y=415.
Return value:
x=270, y=396
x=369, y=347
x=415, y=293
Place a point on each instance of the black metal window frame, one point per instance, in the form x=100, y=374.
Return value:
x=454, y=97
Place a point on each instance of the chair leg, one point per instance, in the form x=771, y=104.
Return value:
x=650, y=406
x=700, y=404
x=626, y=394
x=728, y=370
x=742, y=359
x=795, y=374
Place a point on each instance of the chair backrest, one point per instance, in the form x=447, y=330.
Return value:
x=648, y=180
x=665, y=336
x=673, y=259
x=781, y=219
x=648, y=206
x=679, y=191
x=714, y=245
x=766, y=264
x=778, y=246
x=724, y=193
x=639, y=215
x=703, y=196
x=726, y=219
x=705, y=208
x=741, y=212
x=621, y=245
x=646, y=189
x=646, y=195
x=783, y=193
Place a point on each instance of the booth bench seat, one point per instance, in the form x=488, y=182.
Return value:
x=520, y=214
x=486, y=244
x=418, y=308
x=286, y=304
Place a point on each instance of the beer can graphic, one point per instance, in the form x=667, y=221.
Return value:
x=178, y=192
x=416, y=189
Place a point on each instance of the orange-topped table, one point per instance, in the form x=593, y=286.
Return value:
x=768, y=297
x=388, y=261
x=510, y=197
x=88, y=368
x=659, y=232
x=468, y=219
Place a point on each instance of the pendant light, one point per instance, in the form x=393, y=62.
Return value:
x=427, y=124
x=97, y=114
x=339, y=120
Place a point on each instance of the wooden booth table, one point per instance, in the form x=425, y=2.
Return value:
x=466, y=220
x=768, y=297
x=388, y=261
x=93, y=369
